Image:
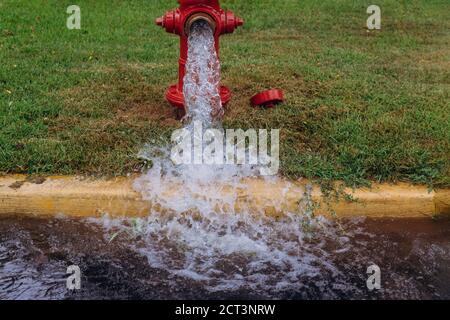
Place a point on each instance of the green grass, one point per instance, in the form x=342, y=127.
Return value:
x=361, y=106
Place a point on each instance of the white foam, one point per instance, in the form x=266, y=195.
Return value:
x=196, y=233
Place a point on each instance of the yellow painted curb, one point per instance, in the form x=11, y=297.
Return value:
x=78, y=197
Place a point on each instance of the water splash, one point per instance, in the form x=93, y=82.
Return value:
x=202, y=183
x=197, y=232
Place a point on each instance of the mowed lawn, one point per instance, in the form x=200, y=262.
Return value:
x=360, y=106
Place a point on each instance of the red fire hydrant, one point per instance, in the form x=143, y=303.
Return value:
x=180, y=20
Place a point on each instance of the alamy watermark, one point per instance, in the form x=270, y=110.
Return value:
x=73, y=282
x=227, y=147
x=374, y=20
x=374, y=280
x=74, y=20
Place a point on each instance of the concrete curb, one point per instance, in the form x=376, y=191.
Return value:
x=78, y=197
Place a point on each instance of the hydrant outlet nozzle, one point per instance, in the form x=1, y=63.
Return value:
x=199, y=17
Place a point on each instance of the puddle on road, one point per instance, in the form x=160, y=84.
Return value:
x=414, y=257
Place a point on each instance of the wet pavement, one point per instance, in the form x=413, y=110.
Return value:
x=413, y=256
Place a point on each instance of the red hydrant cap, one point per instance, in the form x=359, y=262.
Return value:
x=268, y=98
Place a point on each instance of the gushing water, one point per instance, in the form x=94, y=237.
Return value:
x=196, y=231
x=201, y=83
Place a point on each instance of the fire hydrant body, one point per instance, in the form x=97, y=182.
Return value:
x=179, y=22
